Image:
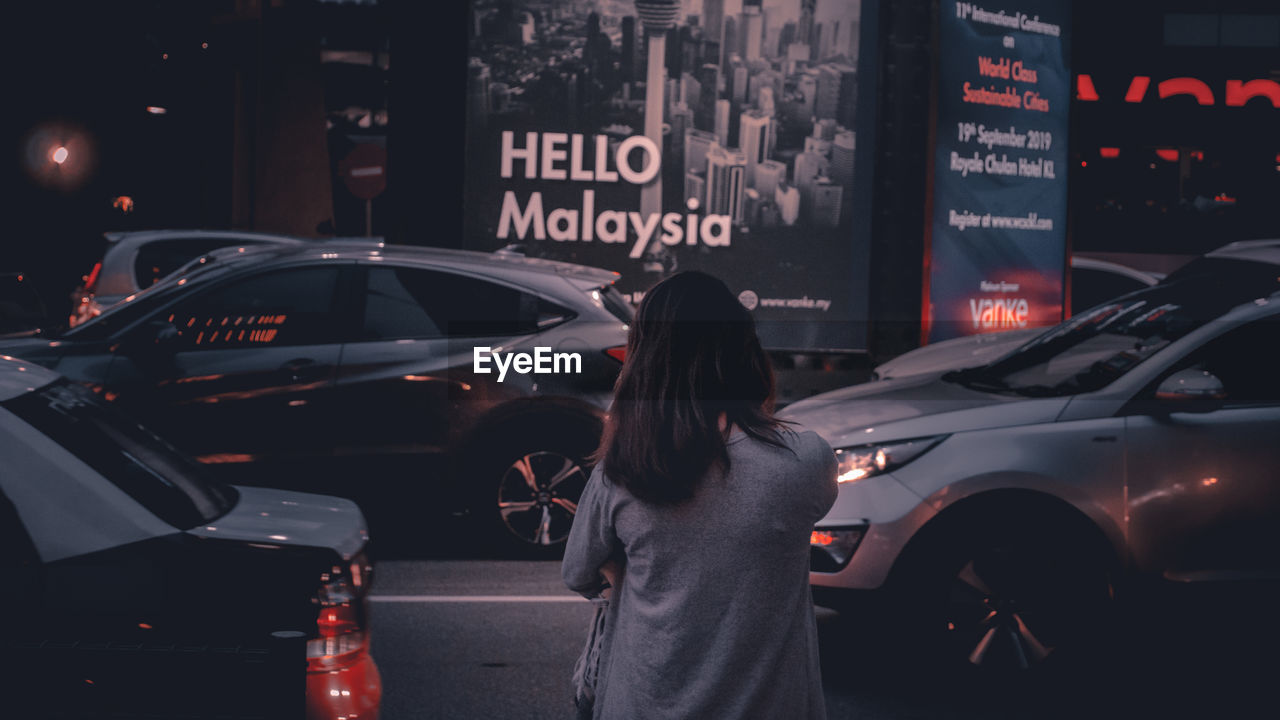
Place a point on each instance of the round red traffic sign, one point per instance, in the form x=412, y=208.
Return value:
x=364, y=170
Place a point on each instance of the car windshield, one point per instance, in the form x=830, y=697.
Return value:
x=152, y=472
x=132, y=308
x=1094, y=348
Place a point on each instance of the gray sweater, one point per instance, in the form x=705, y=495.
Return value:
x=714, y=617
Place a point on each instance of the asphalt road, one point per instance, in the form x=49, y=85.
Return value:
x=457, y=639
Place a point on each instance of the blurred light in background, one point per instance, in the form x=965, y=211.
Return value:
x=58, y=156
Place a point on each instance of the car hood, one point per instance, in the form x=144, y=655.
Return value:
x=956, y=353
x=910, y=407
x=282, y=517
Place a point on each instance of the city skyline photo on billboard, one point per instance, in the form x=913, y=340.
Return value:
x=649, y=137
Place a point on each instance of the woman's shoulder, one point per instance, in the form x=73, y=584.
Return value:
x=803, y=445
x=806, y=443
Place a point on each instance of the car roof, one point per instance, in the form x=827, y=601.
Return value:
x=142, y=237
x=1262, y=251
x=1085, y=263
x=18, y=377
x=507, y=264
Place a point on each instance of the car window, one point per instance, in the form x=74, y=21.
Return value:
x=1245, y=363
x=293, y=306
x=160, y=478
x=416, y=303
x=157, y=259
x=1093, y=287
x=616, y=304
x=133, y=308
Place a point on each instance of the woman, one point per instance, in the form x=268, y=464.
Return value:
x=706, y=502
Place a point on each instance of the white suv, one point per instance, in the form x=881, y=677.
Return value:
x=1002, y=505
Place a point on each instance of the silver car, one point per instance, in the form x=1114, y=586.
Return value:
x=1001, y=507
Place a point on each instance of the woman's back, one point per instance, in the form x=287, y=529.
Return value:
x=714, y=617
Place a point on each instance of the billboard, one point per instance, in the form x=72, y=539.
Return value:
x=996, y=253
x=653, y=136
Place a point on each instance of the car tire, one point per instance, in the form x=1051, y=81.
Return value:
x=527, y=488
x=1008, y=600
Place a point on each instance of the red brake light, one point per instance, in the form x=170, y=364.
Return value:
x=618, y=353
x=338, y=620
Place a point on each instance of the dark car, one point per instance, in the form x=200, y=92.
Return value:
x=134, y=587
x=361, y=370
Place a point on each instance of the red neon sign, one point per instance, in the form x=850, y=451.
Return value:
x=1237, y=92
x=1186, y=86
x=1084, y=88
x=1137, y=88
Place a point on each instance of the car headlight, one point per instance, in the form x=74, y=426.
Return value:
x=863, y=461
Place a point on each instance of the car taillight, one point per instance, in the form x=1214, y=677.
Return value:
x=337, y=621
x=341, y=641
x=618, y=353
x=341, y=638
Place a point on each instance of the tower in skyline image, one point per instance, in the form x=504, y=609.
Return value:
x=657, y=17
x=712, y=19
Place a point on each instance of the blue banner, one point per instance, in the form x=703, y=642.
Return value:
x=997, y=248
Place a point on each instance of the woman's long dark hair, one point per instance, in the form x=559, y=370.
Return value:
x=692, y=354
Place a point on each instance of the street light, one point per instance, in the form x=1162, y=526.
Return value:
x=59, y=155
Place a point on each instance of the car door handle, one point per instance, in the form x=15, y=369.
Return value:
x=300, y=368
x=1106, y=438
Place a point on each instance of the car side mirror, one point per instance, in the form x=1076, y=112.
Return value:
x=1194, y=391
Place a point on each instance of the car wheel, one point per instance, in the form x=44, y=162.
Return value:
x=1012, y=600
x=528, y=492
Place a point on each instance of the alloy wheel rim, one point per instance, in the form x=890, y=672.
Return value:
x=995, y=622
x=538, y=497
